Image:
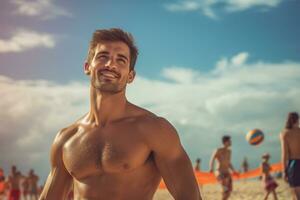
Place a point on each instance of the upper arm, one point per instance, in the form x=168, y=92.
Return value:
x=214, y=156
x=230, y=155
x=284, y=147
x=262, y=168
x=172, y=161
x=59, y=180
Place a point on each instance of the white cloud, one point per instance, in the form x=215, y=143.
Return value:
x=240, y=5
x=210, y=8
x=240, y=58
x=184, y=6
x=179, y=75
x=236, y=61
x=44, y=9
x=202, y=106
x=32, y=112
x=26, y=39
x=241, y=97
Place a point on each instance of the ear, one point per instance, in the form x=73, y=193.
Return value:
x=86, y=68
x=131, y=76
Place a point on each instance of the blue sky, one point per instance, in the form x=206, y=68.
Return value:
x=220, y=66
x=165, y=38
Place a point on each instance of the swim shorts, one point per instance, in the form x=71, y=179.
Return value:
x=14, y=195
x=293, y=172
x=226, y=181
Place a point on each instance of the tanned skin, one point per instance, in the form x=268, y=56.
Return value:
x=224, y=166
x=290, y=148
x=117, y=150
x=14, y=181
x=266, y=174
x=33, y=185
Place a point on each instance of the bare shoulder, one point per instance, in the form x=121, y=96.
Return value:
x=219, y=150
x=60, y=139
x=154, y=129
x=151, y=123
x=284, y=134
x=155, y=126
x=64, y=134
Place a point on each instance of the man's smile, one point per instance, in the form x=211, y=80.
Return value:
x=108, y=74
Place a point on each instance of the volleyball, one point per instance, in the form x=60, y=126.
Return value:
x=255, y=137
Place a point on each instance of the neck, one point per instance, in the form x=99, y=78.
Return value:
x=106, y=107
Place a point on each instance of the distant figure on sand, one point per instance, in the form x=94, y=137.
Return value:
x=198, y=165
x=25, y=187
x=2, y=184
x=14, y=180
x=290, y=148
x=245, y=165
x=117, y=150
x=270, y=184
x=224, y=167
x=32, y=185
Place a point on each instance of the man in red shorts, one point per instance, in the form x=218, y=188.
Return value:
x=14, y=180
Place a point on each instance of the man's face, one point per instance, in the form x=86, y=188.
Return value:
x=109, y=69
x=228, y=143
x=266, y=159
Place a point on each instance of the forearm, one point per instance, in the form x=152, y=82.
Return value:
x=284, y=151
x=53, y=194
x=185, y=185
x=57, y=186
x=211, y=164
x=284, y=160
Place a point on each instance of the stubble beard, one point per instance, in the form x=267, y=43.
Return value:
x=108, y=87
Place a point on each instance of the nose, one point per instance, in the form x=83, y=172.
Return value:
x=110, y=64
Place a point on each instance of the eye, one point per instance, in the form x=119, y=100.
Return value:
x=101, y=57
x=121, y=60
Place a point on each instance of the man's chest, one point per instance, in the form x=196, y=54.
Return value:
x=111, y=150
x=223, y=156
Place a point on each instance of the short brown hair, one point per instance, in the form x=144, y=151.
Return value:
x=113, y=35
x=225, y=138
x=292, y=118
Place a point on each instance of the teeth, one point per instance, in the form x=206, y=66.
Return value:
x=109, y=75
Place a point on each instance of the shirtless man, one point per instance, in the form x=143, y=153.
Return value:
x=25, y=187
x=117, y=150
x=14, y=180
x=32, y=185
x=290, y=148
x=224, y=167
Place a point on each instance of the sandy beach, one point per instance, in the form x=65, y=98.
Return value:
x=242, y=190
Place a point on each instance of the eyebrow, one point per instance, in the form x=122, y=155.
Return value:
x=102, y=52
